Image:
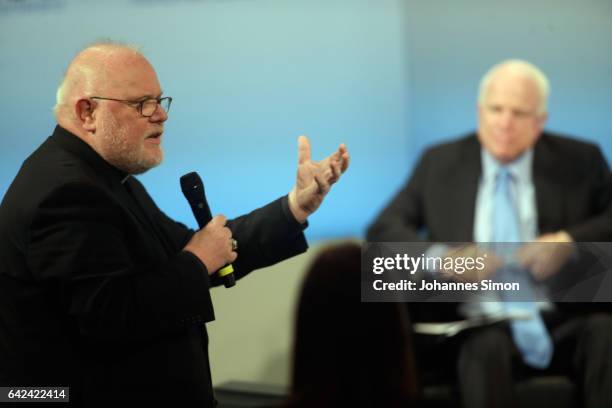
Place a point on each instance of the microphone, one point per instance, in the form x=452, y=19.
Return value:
x=193, y=190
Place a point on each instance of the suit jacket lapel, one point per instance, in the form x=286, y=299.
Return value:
x=129, y=202
x=463, y=188
x=148, y=209
x=546, y=183
x=111, y=177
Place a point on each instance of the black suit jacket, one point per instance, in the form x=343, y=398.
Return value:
x=572, y=184
x=95, y=290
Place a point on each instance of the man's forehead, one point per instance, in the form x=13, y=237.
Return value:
x=505, y=79
x=513, y=87
x=135, y=81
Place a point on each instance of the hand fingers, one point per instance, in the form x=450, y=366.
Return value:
x=322, y=183
x=330, y=169
x=303, y=149
x=343, y=157
x=338, y=163
x=340, y=155
x=233, y=254
x=540, y=270
x=218, y=220
x=536, y=259
x=527, y=256
x=346, y=158
x=337, y=155
x=329, y=173
x=536, y=272
x=336, y=172
x=549, y=237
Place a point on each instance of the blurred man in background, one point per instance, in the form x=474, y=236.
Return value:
x=511, y=181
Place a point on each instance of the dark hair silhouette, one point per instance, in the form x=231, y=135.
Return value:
x=348, y=353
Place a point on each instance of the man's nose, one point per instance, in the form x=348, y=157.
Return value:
x=160, y=115
x=506, y=119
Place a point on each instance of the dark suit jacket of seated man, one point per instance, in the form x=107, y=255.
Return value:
x=573, y=202
x=100, y=291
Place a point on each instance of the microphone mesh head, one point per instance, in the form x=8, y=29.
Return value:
x=192, y=186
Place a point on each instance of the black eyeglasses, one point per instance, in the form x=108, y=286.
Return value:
x=147, y=107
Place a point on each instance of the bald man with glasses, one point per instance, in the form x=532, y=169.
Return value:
x=100, y=291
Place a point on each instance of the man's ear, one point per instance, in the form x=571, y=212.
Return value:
x=85, y=113
x=479, y=110
x=541, y=121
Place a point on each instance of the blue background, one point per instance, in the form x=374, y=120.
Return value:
x=388, y=78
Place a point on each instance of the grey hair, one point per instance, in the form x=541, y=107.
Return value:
x=521, y=68
x=68, y=81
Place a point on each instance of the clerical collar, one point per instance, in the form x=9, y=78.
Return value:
x=78, y=147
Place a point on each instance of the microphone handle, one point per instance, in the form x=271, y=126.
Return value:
x=203, y=216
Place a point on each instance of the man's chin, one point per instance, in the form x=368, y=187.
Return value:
x=504, y=155
x=141, y=166
x=148, y=165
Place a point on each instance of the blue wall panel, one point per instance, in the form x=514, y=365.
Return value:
x=386, y=77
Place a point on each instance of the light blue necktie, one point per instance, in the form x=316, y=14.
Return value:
x=530, y=336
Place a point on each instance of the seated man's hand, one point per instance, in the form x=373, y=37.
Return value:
x=490, y=261
x=314, y=179
x=547, y=254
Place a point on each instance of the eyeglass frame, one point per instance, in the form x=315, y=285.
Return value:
x=139, y=104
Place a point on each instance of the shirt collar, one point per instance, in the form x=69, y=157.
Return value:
x=519, y=168
x=78, y=147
